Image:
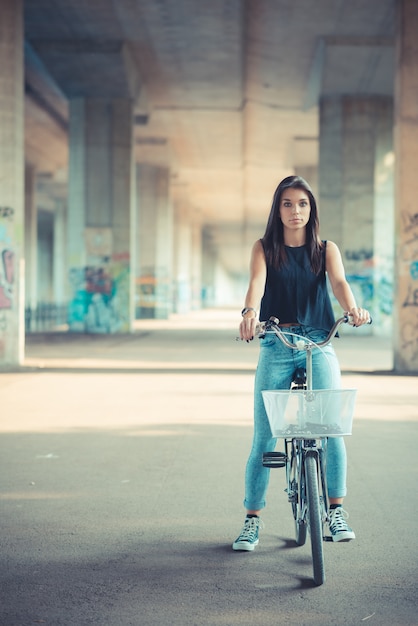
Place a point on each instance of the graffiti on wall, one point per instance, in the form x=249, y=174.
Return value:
x=6, y=278
x=371, y=284
x=362, y=254
x=363, y=289
x=384, y=294
x=7, y=262
x=360, y=275
x=409, y=299
x=7, y=212
x=100, y=302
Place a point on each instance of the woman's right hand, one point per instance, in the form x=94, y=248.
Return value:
x=247, y=327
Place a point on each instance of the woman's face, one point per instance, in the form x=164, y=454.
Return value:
x=295, y=208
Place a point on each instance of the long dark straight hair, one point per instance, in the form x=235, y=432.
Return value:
x=273, y=239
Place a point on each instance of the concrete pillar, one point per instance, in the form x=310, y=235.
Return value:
x=310, y=174
x=100, y=213
x=182, y=262
x=220, y=287
x=406, y=189
x=352, y=131
x=196, y=266
x=154, y=243
x=331, y=169
x=11, y=183
x=59, y=251
x=383, y=231
x=31, y=239
x=45, y=245
x=209, y=262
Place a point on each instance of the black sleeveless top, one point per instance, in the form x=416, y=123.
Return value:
x=296, y=294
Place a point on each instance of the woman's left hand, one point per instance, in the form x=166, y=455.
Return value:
x=359, y=316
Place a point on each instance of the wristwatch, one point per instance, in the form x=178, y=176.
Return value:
x=246, y=309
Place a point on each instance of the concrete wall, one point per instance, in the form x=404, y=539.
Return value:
x=11, y=183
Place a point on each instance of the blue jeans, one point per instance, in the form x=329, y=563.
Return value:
x=275, y=369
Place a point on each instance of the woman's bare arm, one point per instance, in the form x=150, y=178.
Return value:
x=258, y=273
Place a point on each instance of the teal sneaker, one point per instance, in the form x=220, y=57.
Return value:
x=338, y=527
x=248, y=539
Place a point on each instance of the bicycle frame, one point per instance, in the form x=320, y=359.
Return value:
x=305, y=461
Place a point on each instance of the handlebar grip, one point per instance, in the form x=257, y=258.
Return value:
x=347, y=318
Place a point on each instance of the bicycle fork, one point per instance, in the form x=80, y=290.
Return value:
x=294, y=459
x=319, y=453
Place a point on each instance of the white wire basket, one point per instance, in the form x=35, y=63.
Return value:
x=310, y=414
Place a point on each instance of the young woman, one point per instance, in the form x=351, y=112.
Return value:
x=288, y=273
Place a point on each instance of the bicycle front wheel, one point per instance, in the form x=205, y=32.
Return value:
x=296, y=493
x=314, y=517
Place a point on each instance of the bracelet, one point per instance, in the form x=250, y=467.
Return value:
x=246, y=309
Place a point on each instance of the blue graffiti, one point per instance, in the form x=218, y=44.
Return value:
x=414, y=270
x=363, y=288
x=385, y=296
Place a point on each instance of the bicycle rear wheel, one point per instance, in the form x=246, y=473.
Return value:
x=314, y=517
x=297, y=494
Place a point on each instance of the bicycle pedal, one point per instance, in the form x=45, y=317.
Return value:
x=274, y=459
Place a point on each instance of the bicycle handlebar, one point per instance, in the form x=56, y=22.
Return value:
x=273, y=325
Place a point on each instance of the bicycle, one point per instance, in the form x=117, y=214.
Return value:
x=305, y=418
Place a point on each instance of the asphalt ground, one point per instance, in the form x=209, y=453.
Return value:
x=121, y=486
